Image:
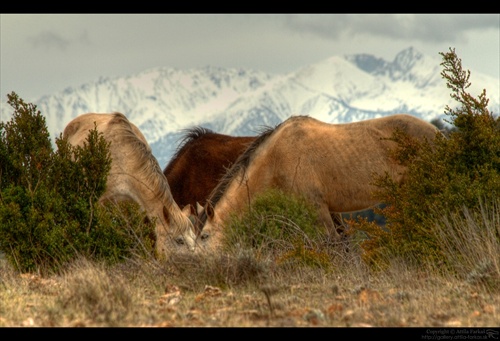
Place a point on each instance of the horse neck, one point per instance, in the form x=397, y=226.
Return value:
x=150, y=189
x=234, y=200
x=163, y=198
x=233, y=191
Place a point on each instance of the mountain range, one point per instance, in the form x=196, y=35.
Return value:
x=164, y=101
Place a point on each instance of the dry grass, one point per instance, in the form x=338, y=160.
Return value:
x=258, y=287
x=241, y=291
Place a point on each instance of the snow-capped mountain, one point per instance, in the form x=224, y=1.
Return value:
x=163, y=101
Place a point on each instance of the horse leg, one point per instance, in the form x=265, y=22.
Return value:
x=341, y=228
x=338, y=222
x=326, y=218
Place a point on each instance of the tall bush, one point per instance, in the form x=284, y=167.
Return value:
x=456, y=171
x=49, y=211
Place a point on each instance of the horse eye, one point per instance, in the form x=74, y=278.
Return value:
x=179, y=241
x=204, y=236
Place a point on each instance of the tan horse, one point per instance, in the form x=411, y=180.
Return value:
x=332, y=165
x=135, y=175
x=201, y=160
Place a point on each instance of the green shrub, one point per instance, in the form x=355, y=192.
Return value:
x=456, y=171
x=279, y=223
x=49, y=210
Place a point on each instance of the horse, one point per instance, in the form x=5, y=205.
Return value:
x=331, y=165
x=200, y=161
x=136, y=176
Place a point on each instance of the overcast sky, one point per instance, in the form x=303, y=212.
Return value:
x=44, y=53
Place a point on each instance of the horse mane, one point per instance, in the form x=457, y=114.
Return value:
x=241, y=163
x=194, y=133
x=189, y=135
x=146, y=166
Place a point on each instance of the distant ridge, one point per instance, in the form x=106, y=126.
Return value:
x=163, y=101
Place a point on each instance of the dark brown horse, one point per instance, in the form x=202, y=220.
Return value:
x=200, y=161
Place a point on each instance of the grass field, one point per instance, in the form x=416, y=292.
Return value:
x=242, y=291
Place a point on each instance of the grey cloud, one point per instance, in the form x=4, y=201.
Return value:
x=423, y=27
x=47, y=39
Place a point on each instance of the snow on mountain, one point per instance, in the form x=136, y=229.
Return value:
x=164, y=101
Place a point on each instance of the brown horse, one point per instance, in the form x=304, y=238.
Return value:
x=332, y=165
x=135, y=175
x=200, y=161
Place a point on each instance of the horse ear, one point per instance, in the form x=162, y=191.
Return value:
x=209, y=210
x=199, y=208
x=189, y=210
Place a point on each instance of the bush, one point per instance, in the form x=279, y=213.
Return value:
x=456, y=171
x=280, y=223
x=49, y=210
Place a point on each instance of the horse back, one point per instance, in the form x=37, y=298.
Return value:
x=323, y=161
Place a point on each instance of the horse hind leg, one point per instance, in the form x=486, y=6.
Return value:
x=328, y=222
x=338, y=222
x=335, y=227
x=340, y=227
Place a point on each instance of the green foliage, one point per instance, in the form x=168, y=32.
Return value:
x=455, y=171
x=279, y=222
x=123, y=230
x=26, y=146
x=49, y=211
